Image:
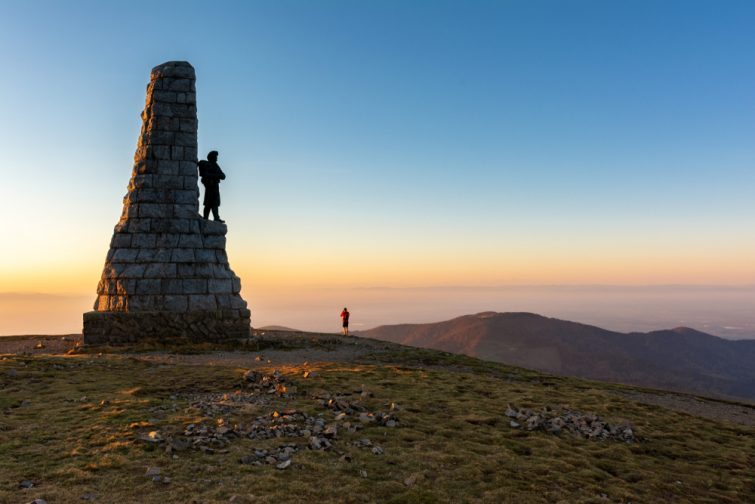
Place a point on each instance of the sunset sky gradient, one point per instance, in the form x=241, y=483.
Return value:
x=396, y=144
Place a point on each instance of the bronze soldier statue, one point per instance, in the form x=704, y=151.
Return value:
x=211, y=176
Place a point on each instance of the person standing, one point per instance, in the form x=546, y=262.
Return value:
x=211, y=176
x=345, y=318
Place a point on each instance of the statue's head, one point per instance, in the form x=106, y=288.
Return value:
x=212, y=156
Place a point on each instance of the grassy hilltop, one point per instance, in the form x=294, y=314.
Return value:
x=361, y=421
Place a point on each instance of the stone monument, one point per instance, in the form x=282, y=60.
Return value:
x=166, y=276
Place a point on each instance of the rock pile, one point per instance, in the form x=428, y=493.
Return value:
x=167, y=275
x=314, y=431
x=586, y=426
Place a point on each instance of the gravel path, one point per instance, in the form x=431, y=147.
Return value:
x=697, y=406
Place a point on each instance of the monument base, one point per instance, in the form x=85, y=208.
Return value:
x=168, y=327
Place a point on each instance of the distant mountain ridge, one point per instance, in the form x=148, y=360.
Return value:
x=676, y=359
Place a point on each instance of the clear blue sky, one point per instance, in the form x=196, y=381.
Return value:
x=398, y=143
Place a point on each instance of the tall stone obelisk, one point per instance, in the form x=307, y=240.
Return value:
x=167, y=275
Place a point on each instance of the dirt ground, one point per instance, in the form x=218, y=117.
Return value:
x=347, y=349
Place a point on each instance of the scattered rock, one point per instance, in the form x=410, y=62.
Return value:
x=153, y=471
x=88, y=497
x=25, y=484
x=285, y=464
x=586, y=426
x=411, y=480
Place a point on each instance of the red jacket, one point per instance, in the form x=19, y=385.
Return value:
x=345, y=316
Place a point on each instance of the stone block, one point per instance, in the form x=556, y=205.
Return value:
x=209, y=227
x=219, y=286
x=186, y=270
x=113, y=270
x=171, y=226
x=145, y=303
x=121, y=240
x=236, y=285
x=186, y=196
x=134, y=270
x=190, y=241
x=224, y=301
x=163, y=123
x=185, y=139
x=172, y=286
x=142, y=240
x=190, y=154
x=155, y=255
x=130, y=211
x=179, y=85
x=140, y=181
x=125, y=255
x=106, y=286
x=194, y=286
x=214, y=241
x=188, y=168
x=201, y=302
x=145, y=167
x=158, y=152
x=191, y=182
x=222, y=256
x=157, y=138
x=174, y=69
x=149, y=286
x=161, y=109
x=221, y=271
x=155, y=211
x=141, y=153
x=167, y=240
x=168, y=167
x=188, y=125
x=176, y=303
x=146, y=195
x=205, y=256
x=118, y=303
x=202, y=270
x=102, y=303
x=125, y=287
x=146, y=255
x=140, y=225
x=187, y=211
x=180, y=255
x=177, y=152
x=185, y=226
x=167, y=96
x=161, y=270
x=169, y=182
x=237, y=303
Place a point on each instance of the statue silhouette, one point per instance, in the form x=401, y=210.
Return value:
x=211, y=175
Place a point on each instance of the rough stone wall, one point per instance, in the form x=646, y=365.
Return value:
x=167, y=263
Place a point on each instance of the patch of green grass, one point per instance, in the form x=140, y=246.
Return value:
x=76, y=435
